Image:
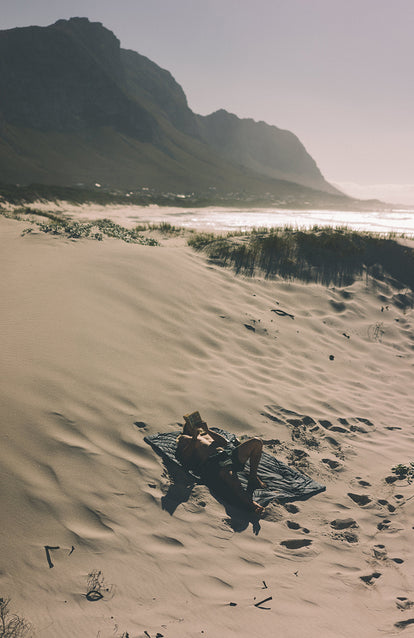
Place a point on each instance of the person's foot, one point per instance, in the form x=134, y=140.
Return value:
x=258, y=510
x=254, y=483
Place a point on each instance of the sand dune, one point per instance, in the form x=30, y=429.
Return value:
x=104, y=342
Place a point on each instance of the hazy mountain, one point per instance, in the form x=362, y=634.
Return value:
x=76, y=108
x=264, y=149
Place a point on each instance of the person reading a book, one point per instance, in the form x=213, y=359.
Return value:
x=217, y=461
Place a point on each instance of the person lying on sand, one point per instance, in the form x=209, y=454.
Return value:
x=217, y=461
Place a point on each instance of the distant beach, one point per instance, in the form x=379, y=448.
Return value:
x=218, y=219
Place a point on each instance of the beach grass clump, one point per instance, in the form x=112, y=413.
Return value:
x=332, y=256
x=404, y=471
x=166, y=228
x=199, y=241
x=54, y=224
x=12, y=625
x=22, y=211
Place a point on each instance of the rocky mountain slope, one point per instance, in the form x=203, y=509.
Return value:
x=76, y=108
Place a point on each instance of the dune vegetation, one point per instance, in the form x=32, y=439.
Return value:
x=332, y=256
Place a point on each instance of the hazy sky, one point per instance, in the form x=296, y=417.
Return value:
x=337, y=73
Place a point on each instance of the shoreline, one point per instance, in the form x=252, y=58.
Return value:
x=226, y=219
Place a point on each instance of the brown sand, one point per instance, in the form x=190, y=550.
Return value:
x=98, y=336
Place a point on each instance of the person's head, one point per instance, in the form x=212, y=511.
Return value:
x=193, y=422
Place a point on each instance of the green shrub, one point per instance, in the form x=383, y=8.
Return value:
x=58, y=225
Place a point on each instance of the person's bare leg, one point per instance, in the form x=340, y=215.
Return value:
x=252, y=450
x=236, y=490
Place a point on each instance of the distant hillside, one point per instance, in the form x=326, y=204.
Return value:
x=75, y=108
x=264, y=149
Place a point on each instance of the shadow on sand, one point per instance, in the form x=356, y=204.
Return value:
x=331, y=256
x=181, y=487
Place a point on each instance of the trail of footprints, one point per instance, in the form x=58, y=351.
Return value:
x=318, y=436
x=295, y=543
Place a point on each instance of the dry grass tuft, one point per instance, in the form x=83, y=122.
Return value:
x=332, y=256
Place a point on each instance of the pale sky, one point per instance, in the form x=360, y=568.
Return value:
x=337, y=73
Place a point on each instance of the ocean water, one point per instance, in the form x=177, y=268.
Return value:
x=217, y=219
x=222, y=219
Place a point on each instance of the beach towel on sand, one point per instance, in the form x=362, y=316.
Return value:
x=283, y=483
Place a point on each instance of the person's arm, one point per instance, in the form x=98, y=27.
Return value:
x=220, y=440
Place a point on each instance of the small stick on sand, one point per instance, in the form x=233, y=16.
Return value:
x=263, y=601
x=283, y=313
x=48, y=548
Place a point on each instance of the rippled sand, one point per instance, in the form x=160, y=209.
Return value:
x=104, y=342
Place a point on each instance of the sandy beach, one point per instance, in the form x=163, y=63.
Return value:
x=104, y=343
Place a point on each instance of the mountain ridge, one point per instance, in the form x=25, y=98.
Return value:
x=77, y=108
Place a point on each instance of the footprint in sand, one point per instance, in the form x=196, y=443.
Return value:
x=296, y=526
x=141, y=425
x=307, y=420
x=402, y=624
x=332, y=428
x=291, y=508
x=384, y=524
x=325, y=424
x=338, y=306
x=332, y=441
x=339, y=428
x=356, y=427
x=298, y=458
x=359, y=499
x=346, y=535
x=272, y=443
x=297, y=423
x=298, y=454
x=363, y=420
x=370, y=579
x=296, y=543
x=334, y=465
x=403, y=603
x=344, y=525
x=379, y=551
x=391, y=508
